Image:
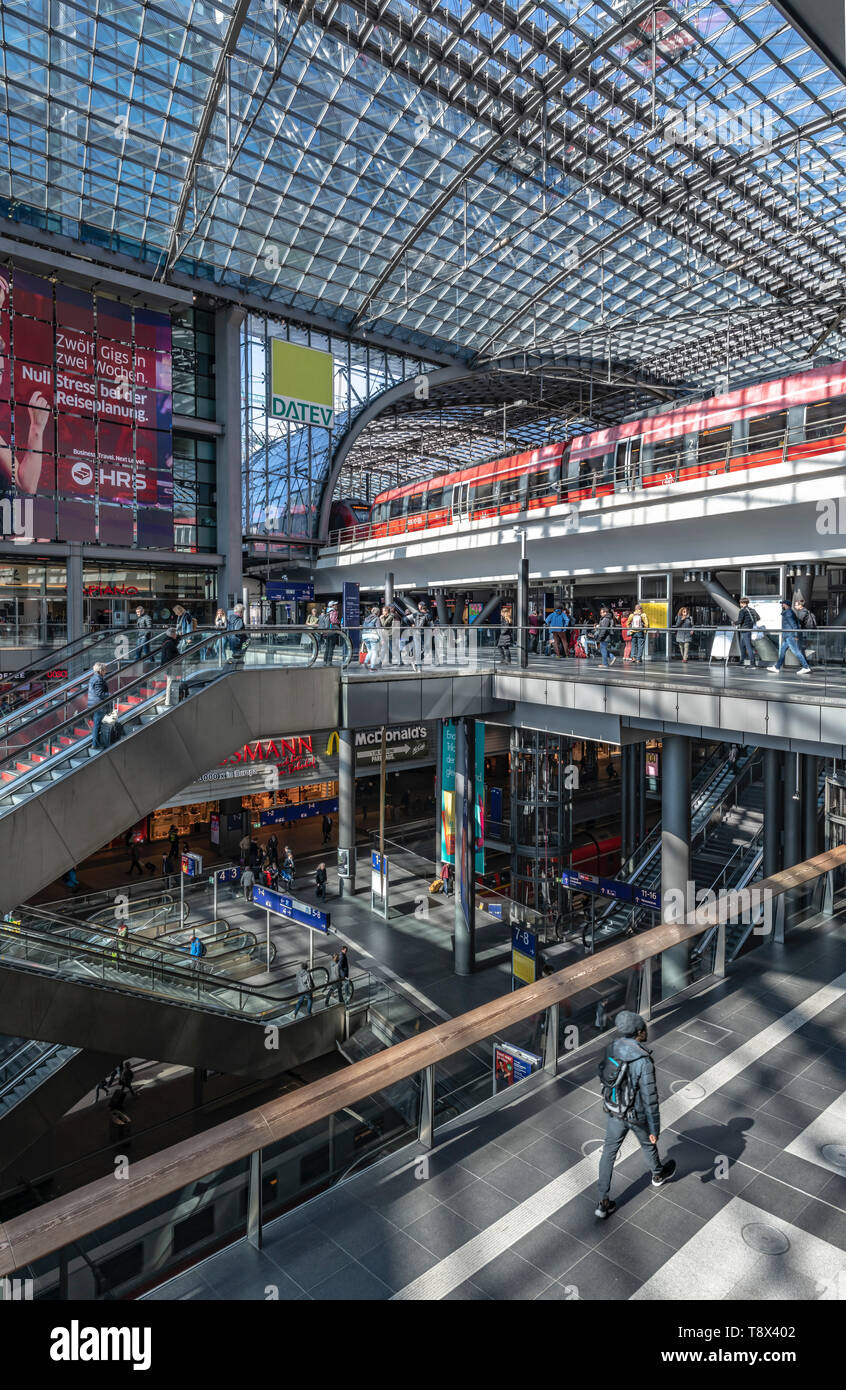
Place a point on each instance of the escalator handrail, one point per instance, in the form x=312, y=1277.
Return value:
x=199, y=642
x=181, y=974
x=132, y=946
x=7, y=1087
x=57, y=655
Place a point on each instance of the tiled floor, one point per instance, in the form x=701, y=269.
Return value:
x=502, y=1208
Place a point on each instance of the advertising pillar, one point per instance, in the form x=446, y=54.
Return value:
x=465, y=847
x=346, y=811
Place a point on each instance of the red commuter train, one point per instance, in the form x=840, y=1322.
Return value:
x=791, y=418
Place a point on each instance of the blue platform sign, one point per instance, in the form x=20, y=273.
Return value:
x=288, y=593
x=292, y=909
x=612, y=888
x=524, y=941
x=227, y=875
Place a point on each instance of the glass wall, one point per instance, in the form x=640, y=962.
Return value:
x=194, y=494
x=193, y=363
x=286, y=463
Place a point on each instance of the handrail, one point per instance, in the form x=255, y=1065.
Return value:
x=34, y=1234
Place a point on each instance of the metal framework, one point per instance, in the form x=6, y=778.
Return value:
x=652, y=189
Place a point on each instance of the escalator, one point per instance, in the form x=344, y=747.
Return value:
x=715, y=787
x=139, y=998
x=60, y=798
x=47, y=677
x=39, y=1083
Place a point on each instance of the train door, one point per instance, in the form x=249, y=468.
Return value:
x=460, y=501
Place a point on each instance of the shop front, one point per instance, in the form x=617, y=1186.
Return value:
x=111, y=594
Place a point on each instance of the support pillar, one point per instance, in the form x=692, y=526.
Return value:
x=465, y=847
x=439, y=788
x=772, y=811
x=523, y=611
x=346, y=806
x=625, y=823
x=792, y=810
x=810, y=810
x=389, y=590
x=639, y=787
x=227, y=341
x=675, y=854
x=74, y=582
x=441, y=608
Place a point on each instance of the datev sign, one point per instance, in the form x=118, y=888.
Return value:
x=301, y=384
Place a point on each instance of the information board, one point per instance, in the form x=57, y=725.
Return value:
x=612, y=888
x=292, y=909
x=279, y=591
x=722, y=644
x=512, y=1064
x=192, y=865
x=524, y=955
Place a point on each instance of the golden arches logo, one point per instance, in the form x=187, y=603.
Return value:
x=332, y=743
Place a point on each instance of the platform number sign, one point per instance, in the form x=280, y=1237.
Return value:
x=524, y=955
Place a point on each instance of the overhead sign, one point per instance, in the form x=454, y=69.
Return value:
x=291, y=908
x=301, y=384
x=405, y=744
x=289, y=593
x=612, y=888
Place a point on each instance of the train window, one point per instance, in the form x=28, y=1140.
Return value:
x=415, y=503
x=119, y=1269
x=435, y=499
x=509, y=489
x=768, y=426
x=193, y=1229
x=397, y=506
x=542, y=482
x=713, y=444
x=483, y=492
x=668, y=455
x=823, y=412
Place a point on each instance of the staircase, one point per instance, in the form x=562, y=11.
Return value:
x=715, y=788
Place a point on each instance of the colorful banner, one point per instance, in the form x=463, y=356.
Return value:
x=85, y=412
x=479, y=796
x=448, y=794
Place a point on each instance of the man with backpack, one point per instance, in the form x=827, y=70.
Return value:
x=630, y=1100
x=744, y=626
x=603, y=632
x=196, y=951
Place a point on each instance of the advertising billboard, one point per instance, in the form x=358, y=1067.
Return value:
x=86, y=413
x=301, y=384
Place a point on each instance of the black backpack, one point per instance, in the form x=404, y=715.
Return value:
x=619, y=1089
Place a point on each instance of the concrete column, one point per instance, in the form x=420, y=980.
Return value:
x=441, y=608
x=772, y=811
x=523, y=611
x=792, y=810
x=465, y=848
x=675, y=853
x=625, y=823
x=639, y=792
x=389, y=589
x=74, y=581
x=346, y=805
x=810, y=796
x=227, y=339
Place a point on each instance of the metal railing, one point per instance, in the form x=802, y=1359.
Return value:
x=803, y=894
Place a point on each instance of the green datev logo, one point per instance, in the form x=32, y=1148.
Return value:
x=301, y=384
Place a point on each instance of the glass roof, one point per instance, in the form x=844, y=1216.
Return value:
x=655, y=185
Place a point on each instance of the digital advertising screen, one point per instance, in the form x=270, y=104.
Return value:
x=86, y=413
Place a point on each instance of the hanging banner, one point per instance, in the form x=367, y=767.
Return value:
x=448, y=794
x=301, y=384
x=479, y=797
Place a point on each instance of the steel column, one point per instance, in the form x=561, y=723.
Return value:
x=254, y=1222
x=346, y=806
x=772, y=810
x=675, y=853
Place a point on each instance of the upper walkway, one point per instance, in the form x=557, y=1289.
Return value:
x=463, y=672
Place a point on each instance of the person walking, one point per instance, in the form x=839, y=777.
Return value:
x=196, y=951
x=557, y=623
x=244, y=847
x=638, y=626
x=305, y=989
x=288, y=869
x=807, y=623
x=98, y=691
x=105, y=1086
x=386, y=622
x=236, y=629
x=790, y=630
x=505, y=636
x=534, y=630
x=329, y=624
x=683, y=629
x=422, y=619
x=185, y=625
x=630, y=1100
x=371, y=636
x=625, y=620
x=344, y=964
x=334, y=979
x=327, y=829
x=320, y=878
x=248, y=883
x=273, y=850
x=127, y=1076
x=143, y=629
x=744, y=625
x=602, y=632
x=134, y=860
